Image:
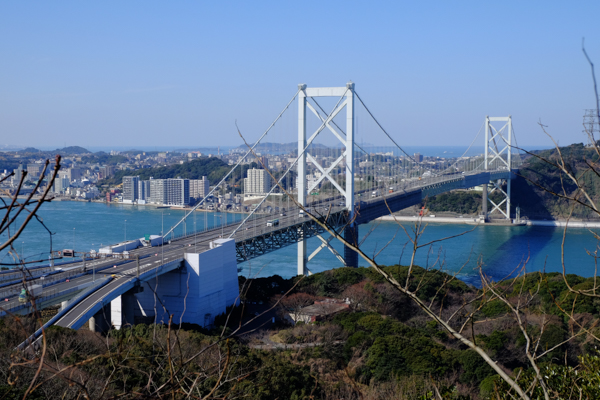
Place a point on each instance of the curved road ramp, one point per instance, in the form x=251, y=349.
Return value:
x=192, y=287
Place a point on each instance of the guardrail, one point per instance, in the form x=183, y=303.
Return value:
x=71, y=274
x=33, y=338
x=16, y=289
x=47, y=295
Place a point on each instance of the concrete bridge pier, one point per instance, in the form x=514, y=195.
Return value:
x=351, y=236
x=202, y=288
x=192, y=289
x=100, y=322
x=124, y=308
x=484, y=201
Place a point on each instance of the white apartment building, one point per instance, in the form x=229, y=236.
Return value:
x=144, y=190
x=178, y=192
x=158, y=191
x=257, y=182
x=61, y=184
x=199, y=188
x=130, y=188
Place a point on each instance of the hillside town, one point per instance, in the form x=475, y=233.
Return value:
x=115, y=176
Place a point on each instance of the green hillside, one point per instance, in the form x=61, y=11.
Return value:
x=528, y=192
x=211, y=167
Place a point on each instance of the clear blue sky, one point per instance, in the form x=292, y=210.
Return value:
x=124, y=73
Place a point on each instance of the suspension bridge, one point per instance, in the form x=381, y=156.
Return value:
x=190, y=276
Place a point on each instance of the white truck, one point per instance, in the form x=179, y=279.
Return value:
x=34, y=290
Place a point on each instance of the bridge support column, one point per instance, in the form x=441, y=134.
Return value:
x=484, y=201
x=302, y=269
x=498, y=156
x=346, y=159
x=301, y=177
x=99, y=322
x=122, y=310
x=351, y=236
x=202, y=288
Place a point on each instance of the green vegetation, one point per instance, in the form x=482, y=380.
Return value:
x=70, y=150
x=540, y=203
x=527, y=192
x=461, y=202
x=211, y=167
x=387, y=340
x=9, y=162
x=382, y=344
x=103, y=158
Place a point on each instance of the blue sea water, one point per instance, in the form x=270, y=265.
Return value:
x=498, y=250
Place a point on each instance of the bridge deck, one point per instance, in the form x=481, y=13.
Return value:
x=258, y=239
x=254, y=240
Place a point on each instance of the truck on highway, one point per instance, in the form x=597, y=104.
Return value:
x=68, y=253
x=34, y=290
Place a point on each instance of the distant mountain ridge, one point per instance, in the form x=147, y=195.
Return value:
x=71, y=150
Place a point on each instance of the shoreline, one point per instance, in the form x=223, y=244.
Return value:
x=474, y=220
x=470, y=220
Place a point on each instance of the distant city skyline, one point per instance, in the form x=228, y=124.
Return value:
x=116, y=74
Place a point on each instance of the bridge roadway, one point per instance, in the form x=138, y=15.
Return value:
x=126, y=271
x=154, y=263
x=255, y=239
x=251, y=244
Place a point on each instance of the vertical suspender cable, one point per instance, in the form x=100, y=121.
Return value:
x=239, y=162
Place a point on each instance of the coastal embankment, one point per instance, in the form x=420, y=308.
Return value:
x=470, y=220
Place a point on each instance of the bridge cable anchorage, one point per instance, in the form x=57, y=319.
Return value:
x=309, y=142
x=235, y=166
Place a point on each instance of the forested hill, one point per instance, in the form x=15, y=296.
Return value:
x=370, y=341
x=213, y=168
x=71, y=150
x=533, y=177
x=538, y=202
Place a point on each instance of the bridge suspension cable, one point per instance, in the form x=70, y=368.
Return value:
x=308, y=143
x=382, y=128
x=444, y=171
x=468, y=148
x=516, y=146
x=235, y=166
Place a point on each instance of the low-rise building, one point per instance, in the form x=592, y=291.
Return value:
x=319, y=310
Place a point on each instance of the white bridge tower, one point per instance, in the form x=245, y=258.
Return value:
x=498, y=155
x=346, y=100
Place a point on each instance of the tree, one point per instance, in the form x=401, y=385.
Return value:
x=294, y=303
